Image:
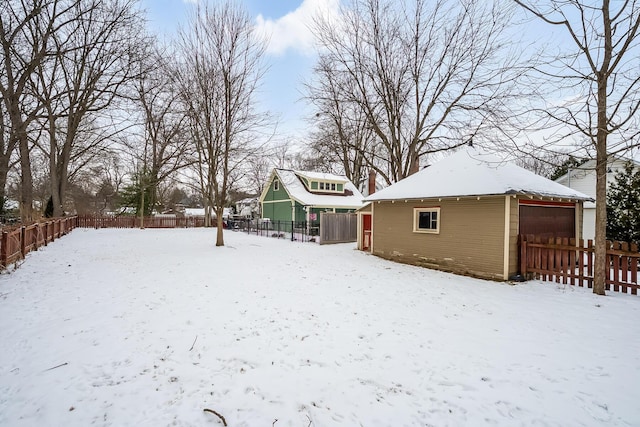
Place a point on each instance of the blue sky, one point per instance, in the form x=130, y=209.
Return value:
x=289, y=56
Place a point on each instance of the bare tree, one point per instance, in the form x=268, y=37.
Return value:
x=600, y=73
x=544, y=163
x=26, y=29
x=165, y=148
x=428, y=76
x=96, y=53
x=108, y=173
x=340, y=143
x=258, y=170
x=219, y=72
x=343, y=135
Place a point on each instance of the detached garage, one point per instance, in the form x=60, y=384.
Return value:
x=464, y=215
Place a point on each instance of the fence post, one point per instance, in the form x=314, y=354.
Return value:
x=4, y=249
x=23, y=241
x=523, y=256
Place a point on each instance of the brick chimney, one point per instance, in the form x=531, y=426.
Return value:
x=372, y=182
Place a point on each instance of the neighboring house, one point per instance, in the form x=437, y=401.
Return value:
x=194, y=212
x=247, y=208
x=464, y=213
x=200, y=213
x=583, y=178
x=301, y=196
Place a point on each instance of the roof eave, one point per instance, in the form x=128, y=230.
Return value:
x=506, y=193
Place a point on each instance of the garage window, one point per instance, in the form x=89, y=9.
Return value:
x=426, y=220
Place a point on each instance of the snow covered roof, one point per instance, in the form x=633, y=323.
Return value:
x=297, y=190
x=471, y=172
x=194, y=211
x=320, y=176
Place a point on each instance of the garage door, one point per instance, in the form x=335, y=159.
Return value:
x=548, y=220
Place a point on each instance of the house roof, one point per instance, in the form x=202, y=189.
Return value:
x=590, y=165
x=194, y=211
x=292, y=183
x=472, y=172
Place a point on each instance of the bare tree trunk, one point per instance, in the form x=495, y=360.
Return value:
x=7, y=147
x=220, y=225
x=142, y=191
x=600, y=268
x=26, y=178
x=600, y=272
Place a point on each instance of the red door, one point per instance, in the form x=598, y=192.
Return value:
x=366, y=232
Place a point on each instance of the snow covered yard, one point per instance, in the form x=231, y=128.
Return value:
x=149, y=327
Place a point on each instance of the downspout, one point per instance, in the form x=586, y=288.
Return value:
x=373, y=204
x=507, y=235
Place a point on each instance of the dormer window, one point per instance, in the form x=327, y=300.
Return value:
x=329, y=187
x=276, y=185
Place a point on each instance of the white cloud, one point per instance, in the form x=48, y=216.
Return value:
x=293, y=31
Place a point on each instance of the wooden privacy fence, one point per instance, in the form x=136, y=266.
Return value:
x=338, y=227
x=571, y=262
x=90, y=221
x=17, y=242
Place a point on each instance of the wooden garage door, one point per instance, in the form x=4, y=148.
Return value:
x=548, y=221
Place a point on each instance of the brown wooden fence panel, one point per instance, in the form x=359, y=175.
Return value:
x=571, y=262
x=90, y=221
x=16, y=242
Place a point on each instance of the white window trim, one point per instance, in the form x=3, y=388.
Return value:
x=276, y=185
x=416, y=212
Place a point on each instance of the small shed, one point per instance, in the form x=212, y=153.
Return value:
x=464, y=213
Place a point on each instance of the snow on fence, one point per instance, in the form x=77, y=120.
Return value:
x=92, y=221
x=17, y=242
x=572, y=262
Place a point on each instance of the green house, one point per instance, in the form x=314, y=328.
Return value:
x=301, y=196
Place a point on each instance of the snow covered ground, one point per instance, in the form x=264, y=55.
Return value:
x=150, y=327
